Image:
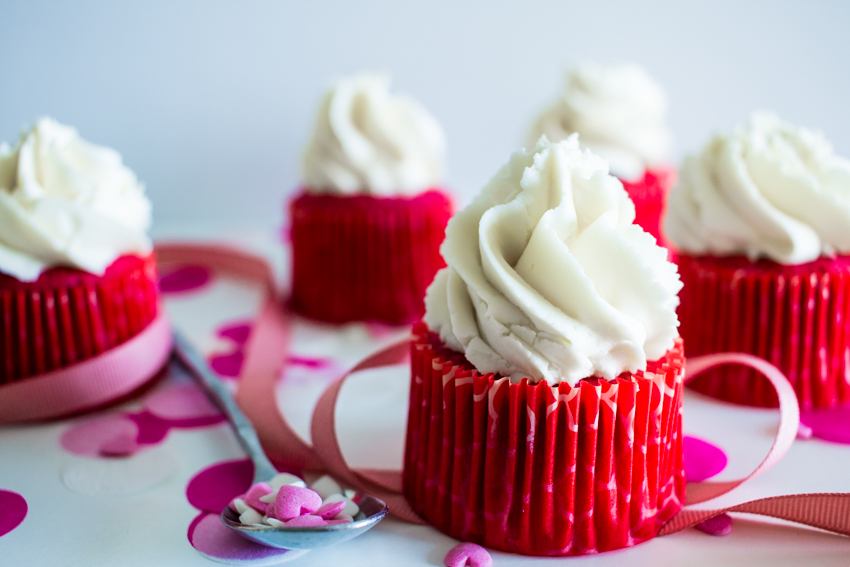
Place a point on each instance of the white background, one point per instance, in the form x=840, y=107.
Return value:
x=211, y=102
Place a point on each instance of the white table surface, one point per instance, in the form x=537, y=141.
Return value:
x=66, y=528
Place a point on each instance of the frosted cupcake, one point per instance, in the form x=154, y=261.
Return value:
x=77, y=272
x=761, y=221
x=547, y=375
x=367, y=227
x=619, y=111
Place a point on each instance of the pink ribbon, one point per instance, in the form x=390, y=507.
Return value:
x=122, y=369
x=92, y=382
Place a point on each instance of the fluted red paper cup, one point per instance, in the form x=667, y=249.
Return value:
x=539, y=469
x=796, y=317
x=649, y=195
x=365, y=258
x=68, y=315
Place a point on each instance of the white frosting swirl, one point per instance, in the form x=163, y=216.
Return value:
x=619, y=112
x=64, y=201
x=548, y=277
x=369, y=141
x=767, y=190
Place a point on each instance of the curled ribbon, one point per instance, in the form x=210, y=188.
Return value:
x=267, y=350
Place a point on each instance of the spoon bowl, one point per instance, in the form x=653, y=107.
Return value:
x=372, y=511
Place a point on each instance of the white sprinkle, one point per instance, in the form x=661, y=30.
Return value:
x=326, y=486
x=251, y=516
x=351, y=508
x=241, y=505
x=283, y=479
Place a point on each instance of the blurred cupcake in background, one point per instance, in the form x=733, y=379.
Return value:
x=546, y=377
x=760, y=220
x=369, y=220
x=77, y=271
x=619, y=111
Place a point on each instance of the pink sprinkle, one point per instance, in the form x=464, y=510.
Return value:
x=294, y=501
x=306, y=521
x=719, y=525
x=340, y=521
x=252, y=497
x=804, y=431
x=470, y=554
x=330, y=510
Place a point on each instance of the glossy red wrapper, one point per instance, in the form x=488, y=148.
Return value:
x=365, y=258
x=68, y=315
x=649, y=195
x=539, y=469
x=796, y=317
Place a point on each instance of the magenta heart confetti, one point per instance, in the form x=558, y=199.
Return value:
x=236, y=331
x=13, y=510
x=228, y=365
x=831, y=424
x=212, y=489
x=702, y=459
x=185, y=278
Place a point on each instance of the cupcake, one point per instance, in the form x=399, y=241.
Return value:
x=77, y=271
x=368, y=223
x=546, y=390
x=761, y=222
x=619, y=112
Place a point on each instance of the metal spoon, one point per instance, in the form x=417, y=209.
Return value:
x=372, y=510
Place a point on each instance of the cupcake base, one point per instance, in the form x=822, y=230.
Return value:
x=649, y=195
x=538, y=469
x=362, y=258
x=796, y=317
x=68, y=315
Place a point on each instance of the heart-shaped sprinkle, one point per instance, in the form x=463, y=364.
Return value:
x=306, y=521
x=269, y=498
x=719, y=525
x=351, y=508
x=251, y=516
x=470, y=554
x=294, y=501
x=330, y=510
x=326, y=486
x=283, y=479
x=254, y=496
x=274, y=522
x=342, y=518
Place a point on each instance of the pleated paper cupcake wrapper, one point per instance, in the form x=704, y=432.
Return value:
x=649, y=194
x=540, y=470
x=68, y=316
x=795, y=317
x=364, y=258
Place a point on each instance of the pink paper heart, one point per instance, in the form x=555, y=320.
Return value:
x=87, y=437
x=236, y=331
x=295, y=501
x=702, y=459
x=719, y=525
x=227, y=365
x=213, y=488
x=185, y=278
x=831, y=424
x=183, y=404
x=13, y=510
x=470, y=554
x=214, y=540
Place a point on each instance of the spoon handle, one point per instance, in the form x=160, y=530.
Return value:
x=220, y=395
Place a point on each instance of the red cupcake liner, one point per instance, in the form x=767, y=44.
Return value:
x=796, y=317
x=361, y=258
x=69, y=315
x=538, y=469
x=649, y=195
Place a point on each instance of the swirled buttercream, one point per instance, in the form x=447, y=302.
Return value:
x=548, y=277
x=64, y=201
x=369, y=141
x=619, y=112
x=766, y=190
